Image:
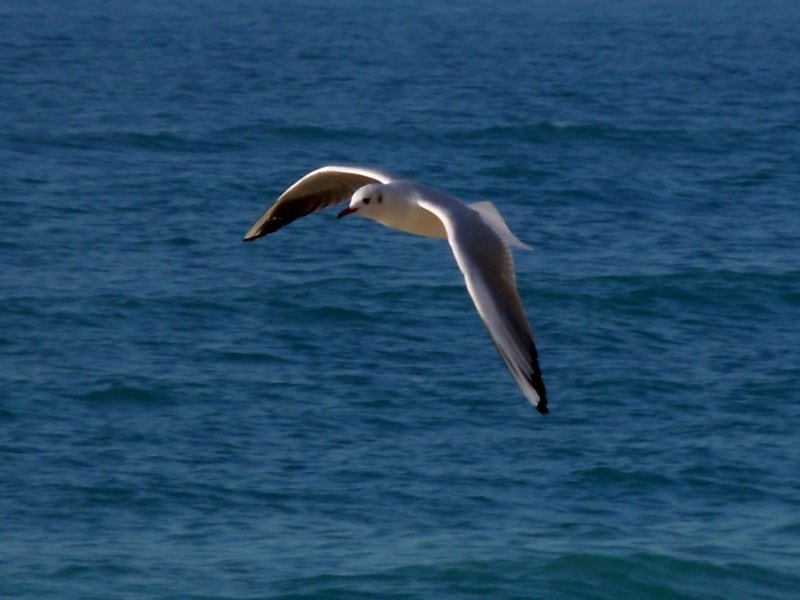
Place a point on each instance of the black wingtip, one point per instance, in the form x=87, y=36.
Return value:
x=265, y=229
x=537, y=382
x=252, y=236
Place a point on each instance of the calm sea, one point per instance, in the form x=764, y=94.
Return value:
x=321, y=414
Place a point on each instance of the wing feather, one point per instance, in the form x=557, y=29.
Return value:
x=488, y=270
x=314, y=191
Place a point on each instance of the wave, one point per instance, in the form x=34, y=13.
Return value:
x=127, y=394
x=160, y=141
x=569, y=575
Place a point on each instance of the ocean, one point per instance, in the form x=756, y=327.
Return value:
x=321, y=414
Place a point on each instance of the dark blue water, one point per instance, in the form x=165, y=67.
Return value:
x=321, y=414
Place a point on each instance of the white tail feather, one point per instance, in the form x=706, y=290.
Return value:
x=495, y=220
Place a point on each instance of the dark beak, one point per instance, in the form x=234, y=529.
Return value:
x=346, y=212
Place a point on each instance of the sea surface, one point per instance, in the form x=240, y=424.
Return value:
x=321, y=414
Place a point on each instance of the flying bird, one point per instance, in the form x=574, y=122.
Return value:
x=478, y=236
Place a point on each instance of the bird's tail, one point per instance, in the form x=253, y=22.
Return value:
x=494, y=219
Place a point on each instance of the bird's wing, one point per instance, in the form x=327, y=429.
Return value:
x=318, y=189
x=488, y=270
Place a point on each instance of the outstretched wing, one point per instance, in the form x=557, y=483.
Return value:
x=488, y=271
x=318, y=189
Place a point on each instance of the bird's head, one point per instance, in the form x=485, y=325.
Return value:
x=368, y=201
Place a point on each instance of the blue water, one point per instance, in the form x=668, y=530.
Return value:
x=321, y=414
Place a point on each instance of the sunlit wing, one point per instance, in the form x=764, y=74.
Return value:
x=318, y=189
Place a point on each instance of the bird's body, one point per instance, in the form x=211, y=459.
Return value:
x=477, y=235
x=399, y=208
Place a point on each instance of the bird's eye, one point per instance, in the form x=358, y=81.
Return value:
x=366, y=200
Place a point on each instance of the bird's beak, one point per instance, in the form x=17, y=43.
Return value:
x=346, y=212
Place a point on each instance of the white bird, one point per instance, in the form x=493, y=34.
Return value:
x=477, y=234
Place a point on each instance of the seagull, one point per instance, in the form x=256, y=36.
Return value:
x=478, y=236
